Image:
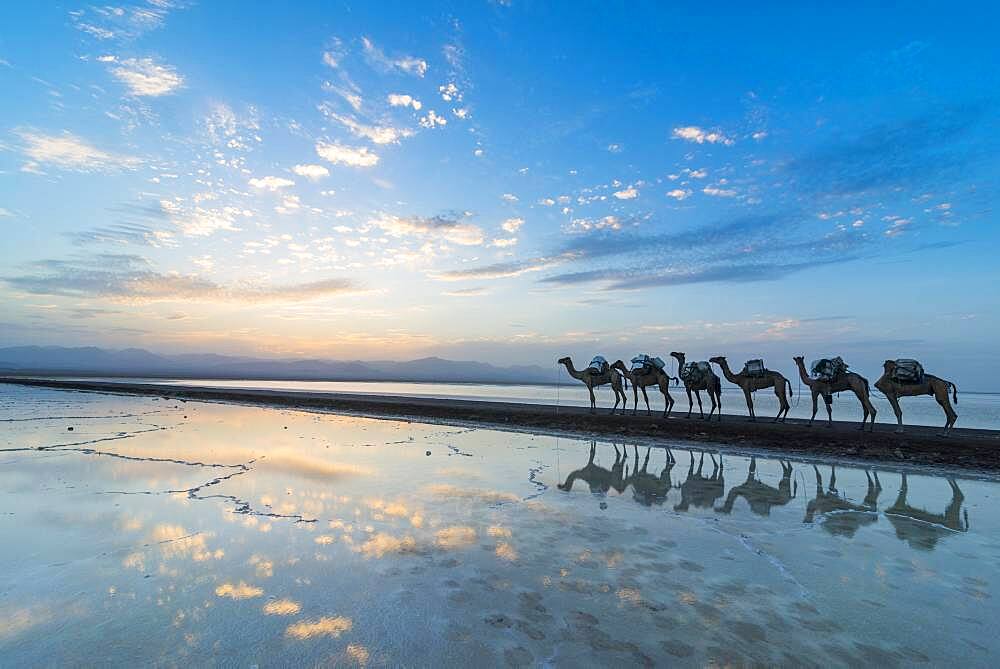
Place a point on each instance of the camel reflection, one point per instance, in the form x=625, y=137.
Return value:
x=700, y=490
x=759, y=495
x=598, y=478
x=648, y=489
x=921, y=528
x=841, y=517
x=845, y=517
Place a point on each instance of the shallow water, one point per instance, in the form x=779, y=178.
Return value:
x=168, y=533
x=975, y=410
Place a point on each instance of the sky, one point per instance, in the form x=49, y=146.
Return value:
x=504, y=181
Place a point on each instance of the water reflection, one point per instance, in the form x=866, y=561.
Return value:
x=839, y=515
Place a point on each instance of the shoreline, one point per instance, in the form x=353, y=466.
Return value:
x=969, y=449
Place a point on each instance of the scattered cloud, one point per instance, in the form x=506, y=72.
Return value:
x=272, y=183
x=69, y=152
x=400, y=100
x=145, y=77
x=509, y=197
x=693, y=133
x=378, y=134
x=466, y=292
x=503, y=270
x=629, y=193
x=450, y=229
x=132, y=278
x=405, y=64
x=615, y=148
x=432, y=120
x=200, y=221
x=351, y=156
x=715, y=191
x=312, y=172
x=679, y=193
x=512, y=225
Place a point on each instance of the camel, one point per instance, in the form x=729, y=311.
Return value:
x=749, y=384
x=700, y=490
x=921, y=528
x=931, y=385
x=709, y=383
x=640, y=380
x=648, y=489
x=761, y=496
x=845, y=517
x=592, y=379
x=843, y=382
x=599, y=479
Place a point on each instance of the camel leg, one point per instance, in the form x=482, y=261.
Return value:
x=780, y=394
x=949, y=414
x=828, y=401
x=668, y=401
x=746, y=393
x=894, y=401
x=717, y=396
x=593, y=400
x=635, y=399
x=649, y=412
x=870, y=408
x=614, y=409
x=701, y=411
x=815, y=394
x=690, y=401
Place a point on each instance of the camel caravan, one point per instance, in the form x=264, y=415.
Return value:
x=823, y=378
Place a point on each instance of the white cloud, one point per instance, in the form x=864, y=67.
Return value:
x=401, y=100
x=759, y=135
x=378, y=134
x=698, y=174
x=346, y=155
x=407, y=64
x=504, y=243
x=146, y=77
x=5, y=213
x=693, y=133
x=509, y=197
x=718, y=192
x=450, y=92
x=69, y=152
x=615, y=148
x=449, y=229
x=679, y=193
x=588, y=224
x=331, y=59
x=629, y=193
x=271, y=183
x=289, y=204
x=546, y=202
x=512, y=225
x=432, y=120
x=478, y=153
x=202, y=222
x=503, y=270
x=461, y=112
x=313, y=172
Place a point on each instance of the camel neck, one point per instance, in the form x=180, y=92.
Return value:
x=803, y=373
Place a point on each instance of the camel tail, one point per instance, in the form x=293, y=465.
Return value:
x=789, y=382
x=625, y=381
x=954, y=392
x=868, y=390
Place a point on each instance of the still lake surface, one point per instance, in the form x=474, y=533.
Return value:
x=975, y=410
x=172, y=533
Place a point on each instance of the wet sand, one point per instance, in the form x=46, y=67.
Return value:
x=963, y=448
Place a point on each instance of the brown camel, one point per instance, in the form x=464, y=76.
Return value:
x=931, y=385
x=640, y=380
x=749, y=384
x=759, y=495
x=842, y=382
x=708, y=382
x=593, y=379
x=921, y=528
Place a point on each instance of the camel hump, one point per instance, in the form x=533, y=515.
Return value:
x=908, y=370
x=754, y=368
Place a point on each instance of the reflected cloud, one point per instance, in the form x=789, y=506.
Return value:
x=240, y=590
x=282, y=607
x=457, y=536
x=326, y=626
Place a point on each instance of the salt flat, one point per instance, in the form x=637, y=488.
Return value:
x=165, y=532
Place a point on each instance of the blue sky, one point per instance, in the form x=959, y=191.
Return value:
x=505, y=181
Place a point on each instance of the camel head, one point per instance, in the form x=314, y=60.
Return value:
x=718, y=360
x=798, y=359
x=563, y=361
x=676, y=354
x=618, y=364
x=888, y=366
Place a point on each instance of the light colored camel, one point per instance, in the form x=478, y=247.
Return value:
x=751, y=383
x=919, y=527
x=599, y=479
x=759, y=495
x=842, y=382
x=641, y=380
x=708, y=382
x=931, y=385
x=593, y=379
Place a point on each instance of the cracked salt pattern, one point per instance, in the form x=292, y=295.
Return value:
x=161, y=532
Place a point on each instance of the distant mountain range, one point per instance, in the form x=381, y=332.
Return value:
x=137, y=362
